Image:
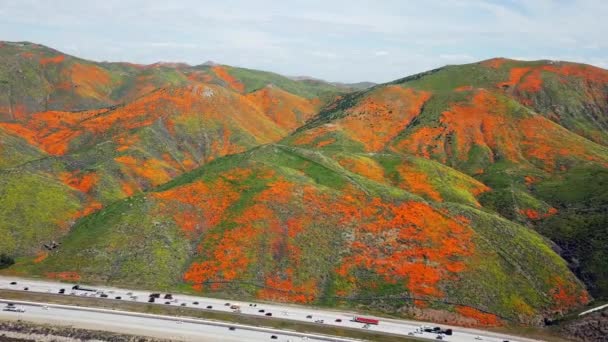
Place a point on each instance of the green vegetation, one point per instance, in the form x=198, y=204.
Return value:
x=478, y=191
x=255, y=79
x=33, y=210
x=6, y=261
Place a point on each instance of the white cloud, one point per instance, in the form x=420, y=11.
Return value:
x=331, y=39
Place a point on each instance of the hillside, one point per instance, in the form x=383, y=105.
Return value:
x=151, y=124
x=474, y=194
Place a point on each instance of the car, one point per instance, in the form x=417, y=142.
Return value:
x=232, y=328
x=261, y=310
x=151, y=300
x=309, y=316
x=118, y=297
x=10, y=305
x=269, y=314
x=26, y=289
x=62, y=291
x=410, y=334
x=103, y=295
x=194, y=303
x=273, y=337
x=129, y=293
x=168, y=296
x=227, y=304
x=45, y=307
x=439, y=337
x=338, y=320
x=13, y=283
x=168, y=303
x=478, y=338
x=154, y=295
x=319, y=321
x=183, y=304
x=209, y=307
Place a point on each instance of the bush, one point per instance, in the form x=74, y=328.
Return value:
x=6, y=261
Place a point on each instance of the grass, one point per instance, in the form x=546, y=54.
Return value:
x=255, y=79
x=46, y=202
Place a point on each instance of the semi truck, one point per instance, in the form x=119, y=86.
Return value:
x=366, y=320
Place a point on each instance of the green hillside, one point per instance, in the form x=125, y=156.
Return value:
x=471, y=194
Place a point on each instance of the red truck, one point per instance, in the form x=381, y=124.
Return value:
x=366, y=320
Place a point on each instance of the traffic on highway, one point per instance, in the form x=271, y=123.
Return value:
x=166, y=327
x=289, y=312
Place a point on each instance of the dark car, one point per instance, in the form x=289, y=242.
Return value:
x=168, y=296
x=154, y=295
x=209, y=307
x=232, y=328
x=194, y=303
x=227, y=304
x=269, y=314
x=168, y=303
x=338, y=320
x=309, y=316
x=118, y=297
x=26, y=289
x=151, y=300
x=273, y=337
x=13, y=283
x=261, y=310
x=103, y=295
x=183, y=304
x=61, y=290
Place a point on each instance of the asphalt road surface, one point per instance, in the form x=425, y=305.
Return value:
x=289, y=312
x=150, y=325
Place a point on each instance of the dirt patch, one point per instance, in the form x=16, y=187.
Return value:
x=21, y=331
x=589, y=328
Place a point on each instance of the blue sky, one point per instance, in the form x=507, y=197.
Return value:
x=335, y=40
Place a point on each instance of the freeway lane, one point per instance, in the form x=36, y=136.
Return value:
x=290, y=312
x=150, y=325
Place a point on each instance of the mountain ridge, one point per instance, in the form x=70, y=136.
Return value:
x=434, y=188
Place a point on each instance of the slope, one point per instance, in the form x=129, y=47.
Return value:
x=258, y=224
x=142, y=128
x=541, y=173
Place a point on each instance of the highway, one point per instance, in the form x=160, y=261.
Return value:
x=289, y=312
x=166, y=327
